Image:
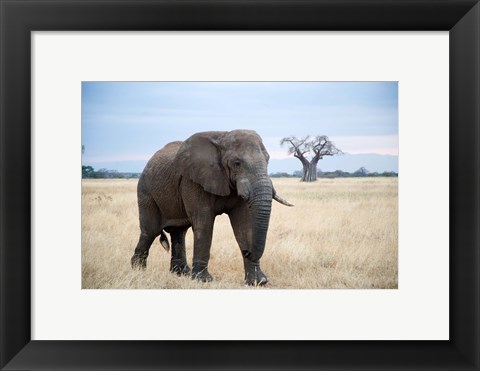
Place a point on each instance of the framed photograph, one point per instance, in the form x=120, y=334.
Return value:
x=243, y=129
x=358, y=120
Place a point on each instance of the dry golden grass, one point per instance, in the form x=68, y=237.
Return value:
x=342, y=233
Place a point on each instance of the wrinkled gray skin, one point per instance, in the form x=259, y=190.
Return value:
x=187, y=184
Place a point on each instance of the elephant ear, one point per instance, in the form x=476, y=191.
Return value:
x=199, y=160
x=264, y=151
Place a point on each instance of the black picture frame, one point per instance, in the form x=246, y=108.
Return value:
x=18, y=18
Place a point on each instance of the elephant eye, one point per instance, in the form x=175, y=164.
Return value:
x=236, y=164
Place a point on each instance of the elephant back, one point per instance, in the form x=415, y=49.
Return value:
x=160, y=164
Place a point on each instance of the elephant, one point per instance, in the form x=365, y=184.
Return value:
x=187, y=184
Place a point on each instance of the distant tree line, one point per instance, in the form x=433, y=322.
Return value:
x=362, y=172
x=89, y=172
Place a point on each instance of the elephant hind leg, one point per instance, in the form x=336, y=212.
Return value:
x=139, y=258
x=150, y=228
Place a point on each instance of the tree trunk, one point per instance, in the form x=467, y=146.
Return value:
x=306, y=168
x=309, y=169
x=311, y=175
x=313, y=171
x=305, y=173
x=309, y=172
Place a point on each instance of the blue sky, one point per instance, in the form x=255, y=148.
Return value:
x=124, y=123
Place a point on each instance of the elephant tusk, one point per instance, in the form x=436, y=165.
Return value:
x=281, y=200
x=278, y=198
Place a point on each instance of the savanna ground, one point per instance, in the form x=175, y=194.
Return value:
x=342, y=233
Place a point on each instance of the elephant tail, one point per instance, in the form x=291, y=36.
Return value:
x=164, y=241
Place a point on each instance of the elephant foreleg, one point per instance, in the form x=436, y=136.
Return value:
x=202, y=241
x=178, y=262
x=199, y=207
x=241, y=225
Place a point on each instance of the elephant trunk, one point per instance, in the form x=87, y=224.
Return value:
x=260, y=205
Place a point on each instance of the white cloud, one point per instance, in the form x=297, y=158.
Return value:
x=116, y=158
x=381, y=144
x=278, y=155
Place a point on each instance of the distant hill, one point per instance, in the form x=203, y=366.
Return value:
x=347, y=162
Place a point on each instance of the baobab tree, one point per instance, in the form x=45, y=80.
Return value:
x=318, y=147
x=299, y=148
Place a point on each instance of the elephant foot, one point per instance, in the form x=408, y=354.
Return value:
x=254, y=275
x=202, y=275
x=138, y=262
x=180, y=269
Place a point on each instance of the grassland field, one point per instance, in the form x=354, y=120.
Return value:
x=341, y=233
